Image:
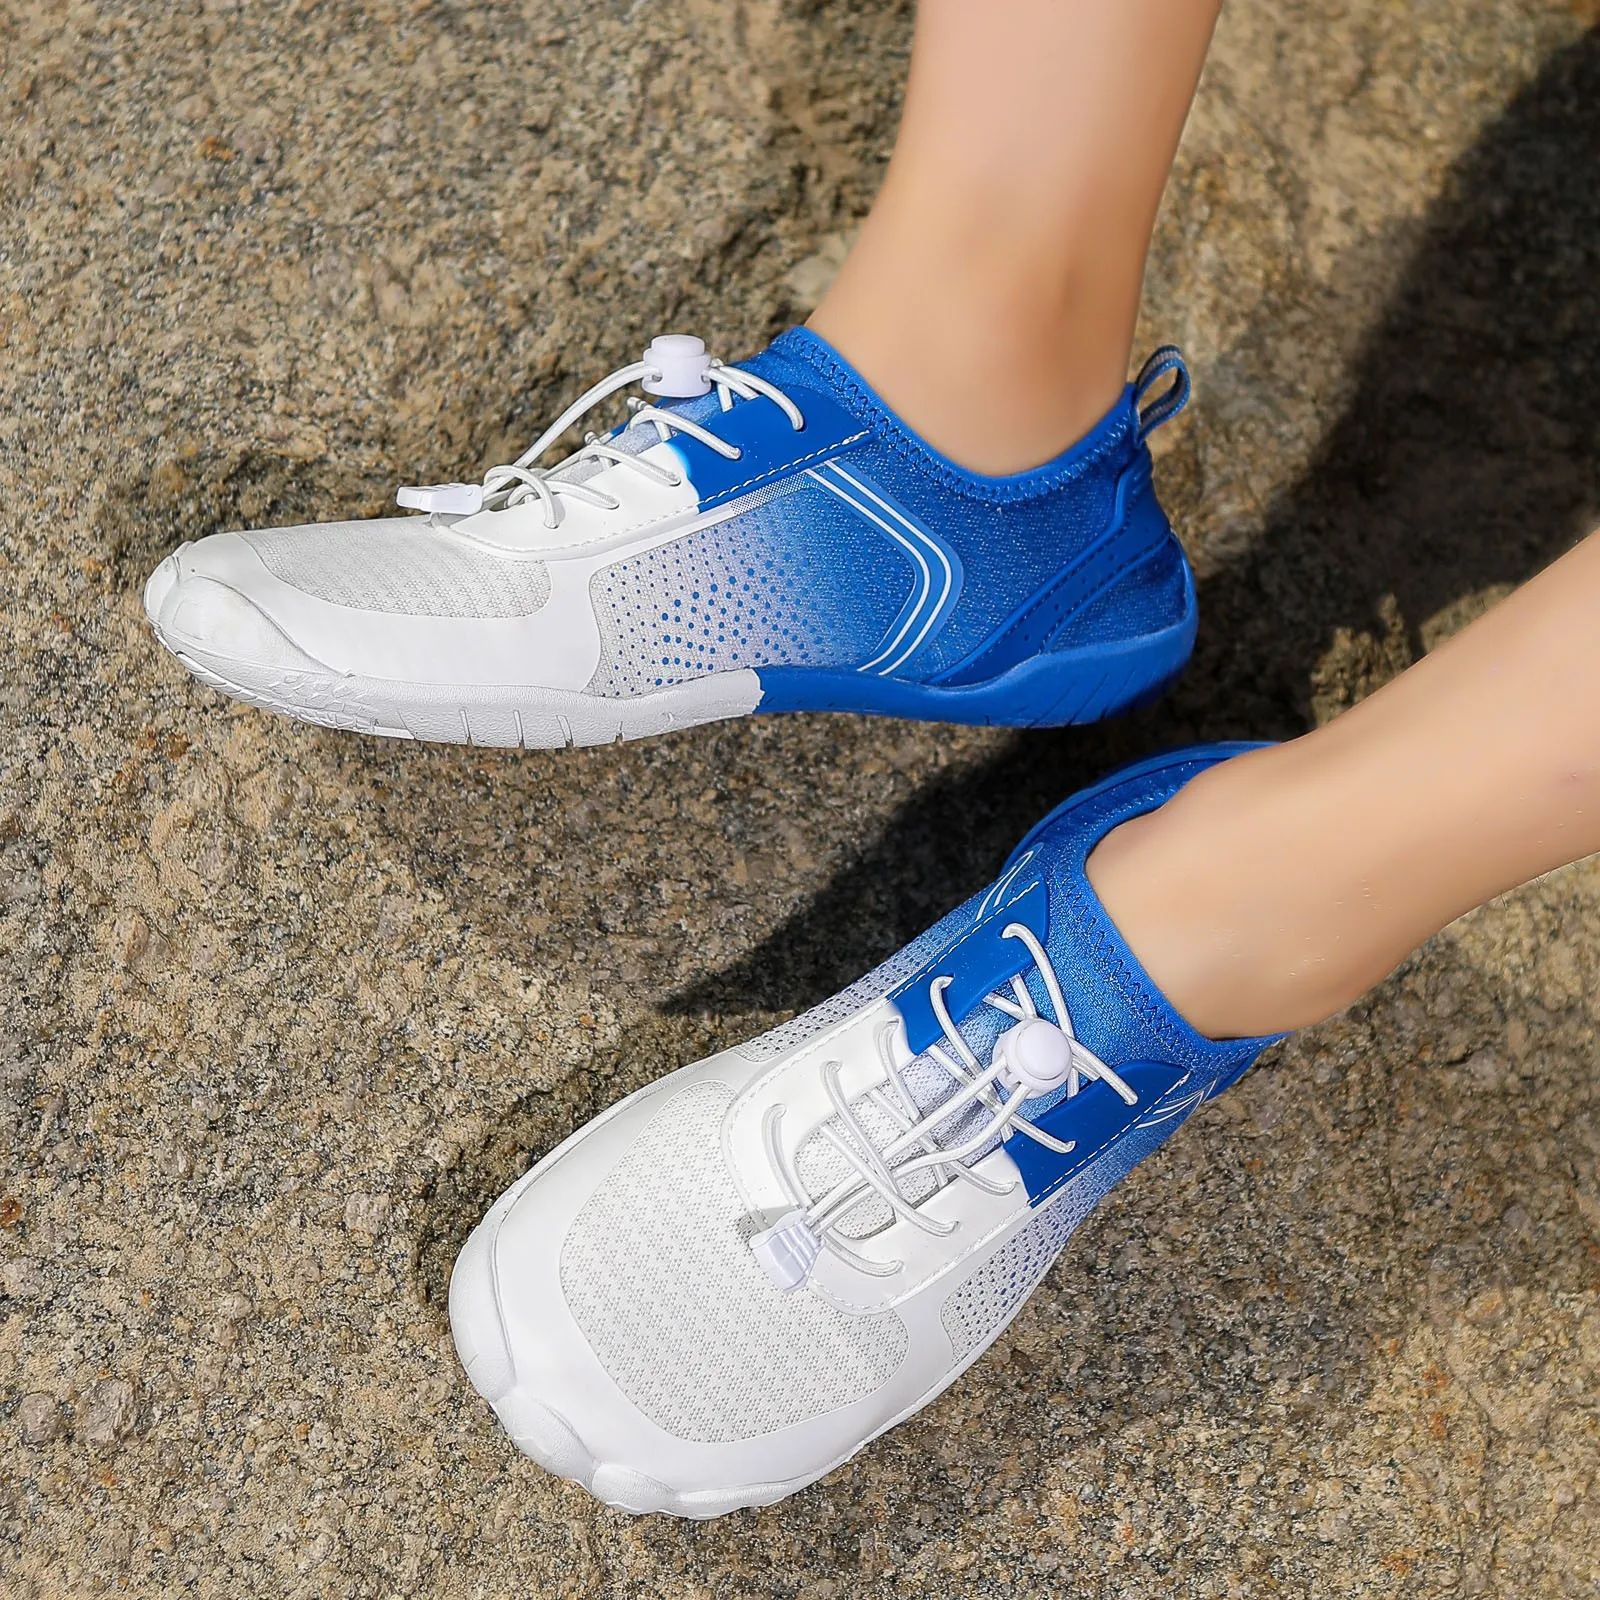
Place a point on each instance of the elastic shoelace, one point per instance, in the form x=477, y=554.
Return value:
x=883, y=1172
x=520, y=480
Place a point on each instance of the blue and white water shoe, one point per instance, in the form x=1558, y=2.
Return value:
x=725, y=1285
x=761, y=537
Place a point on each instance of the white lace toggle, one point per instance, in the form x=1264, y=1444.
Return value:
x=447, y=499
x=675, y=366
x=1035, y=1055
x=682, y=367
x=788, y=1250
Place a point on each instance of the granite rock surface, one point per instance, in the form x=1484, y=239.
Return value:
x=284, y=1010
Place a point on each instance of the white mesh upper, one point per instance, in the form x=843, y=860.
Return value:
x=978, y=1309
x=818, y=1163
x=658, y=1274
x=400, y=565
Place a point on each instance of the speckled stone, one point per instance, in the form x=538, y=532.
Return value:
x=284, y=1010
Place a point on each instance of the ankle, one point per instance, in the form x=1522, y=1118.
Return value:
x=1237, y=900
x=999, y=375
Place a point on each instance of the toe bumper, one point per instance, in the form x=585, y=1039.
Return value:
x=198, y=614
x=475, y=1322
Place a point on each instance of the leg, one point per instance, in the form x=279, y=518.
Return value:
x=1277, y=888
x=992, y=294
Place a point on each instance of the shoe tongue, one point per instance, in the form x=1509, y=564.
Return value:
x=700, y=408
x=930, y=1085
x=781, y=362
x=635, y=441
x=979, y=961
x=982, y=959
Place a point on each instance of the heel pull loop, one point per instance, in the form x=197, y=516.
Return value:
x=1171, y=400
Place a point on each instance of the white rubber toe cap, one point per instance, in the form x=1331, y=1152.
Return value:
x=192, y=612
x=475, y=1323
x=479, y=1332
x=161, y=583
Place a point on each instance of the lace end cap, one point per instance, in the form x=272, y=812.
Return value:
x=787, y=1251
x=442, y=499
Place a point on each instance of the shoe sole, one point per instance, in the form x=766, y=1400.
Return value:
x=494, y=718
x=1050, y=690
x=1056, y=689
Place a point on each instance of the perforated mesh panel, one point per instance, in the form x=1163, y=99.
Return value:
x=978, y=1309
x=402, y=566
x=658, y=1274
x=982, y=1306
x=798, y=581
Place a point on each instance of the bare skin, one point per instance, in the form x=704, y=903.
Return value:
x=1278, y=887
x=991, y=300
x=991, y=295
